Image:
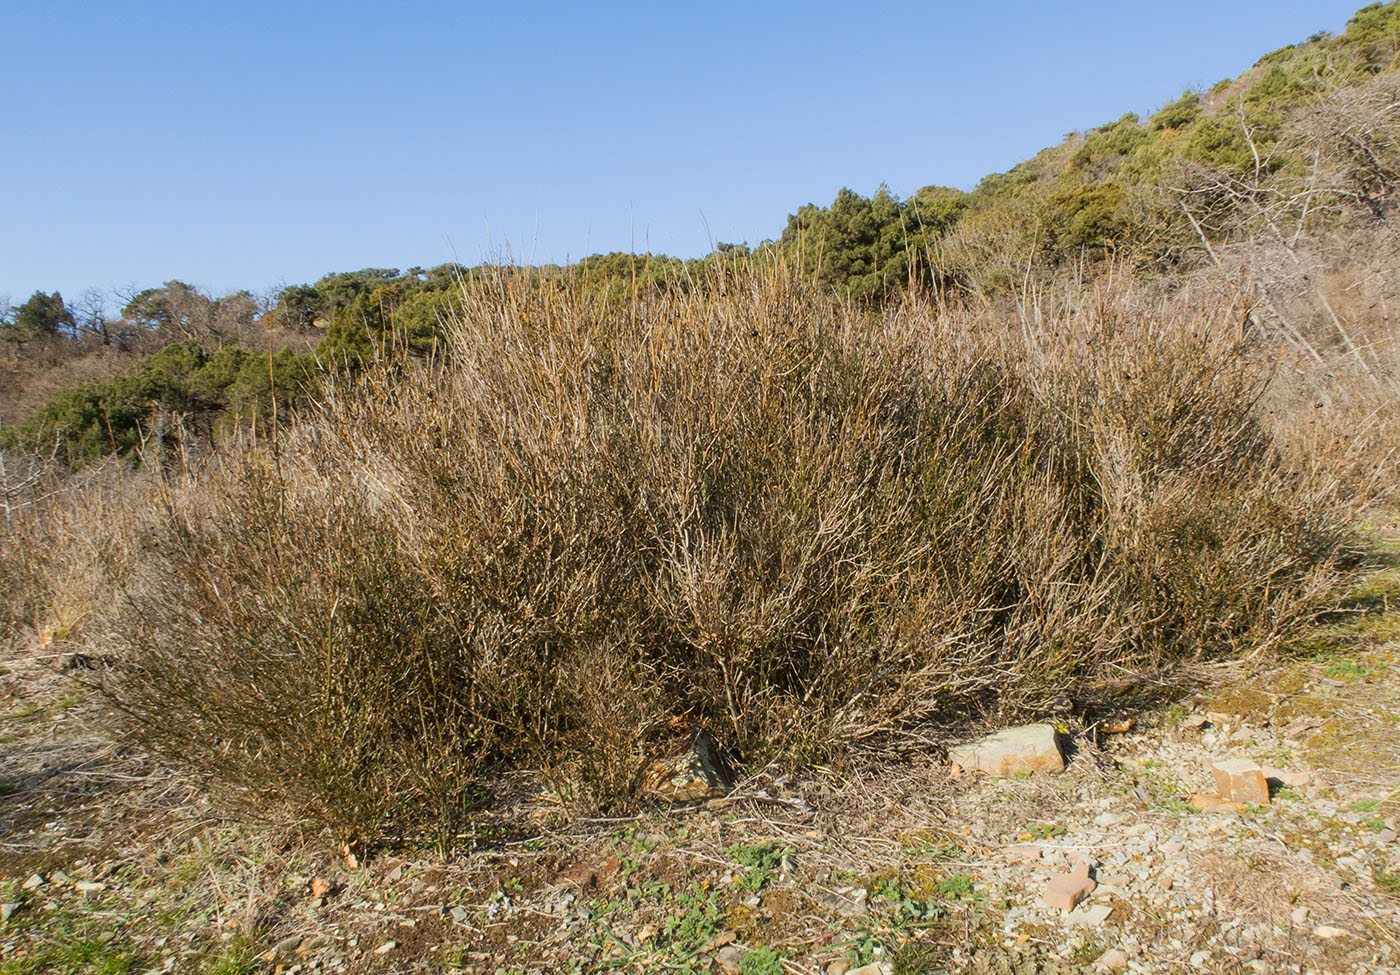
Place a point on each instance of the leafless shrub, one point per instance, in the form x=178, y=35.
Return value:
x=748, y=507
x=68, y=545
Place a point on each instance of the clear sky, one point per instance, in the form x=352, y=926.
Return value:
x=250, y=144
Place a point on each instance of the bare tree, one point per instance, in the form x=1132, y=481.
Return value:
x=1311, y=219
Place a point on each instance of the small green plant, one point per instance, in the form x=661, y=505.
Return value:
x=761, y=960
x=862, y=949
x=698, y=921
x=956, y=886
x=1386, y=880
x=912, y=958
x=1346, y=670
x=1089, y=952
x=913, y=910
x=236, y=958
x=73, y=947
x=762, y=861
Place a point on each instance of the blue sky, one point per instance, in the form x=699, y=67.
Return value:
x=253, y=144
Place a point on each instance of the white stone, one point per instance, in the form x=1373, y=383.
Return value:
x=1029, y=748
x=1090, y=917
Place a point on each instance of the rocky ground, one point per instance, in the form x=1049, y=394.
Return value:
x=110, y=863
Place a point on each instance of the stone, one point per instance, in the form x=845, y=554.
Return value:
x=1066, y=890
x=585, y=875
x=386, y=947
x=1090, y=917
x=1206, y=802
x=1199, y=959
x=89, y=886
x=1299, y=916
x=6, y=910
x=729, y=958
x=288, y=945
x=1113, y=959
x=1292, y=778
x=838, y=967
x=1105, y=820
x=721, y=939
x=1195, y=721
x=698, y=773
x=1240, y=780
x=874, y=968
x=1029, y=748
x=1386, y=835
x=845, y=900
x=320, y=887
x=1328, y=932
x=34, y=882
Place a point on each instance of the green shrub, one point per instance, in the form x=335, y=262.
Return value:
x=1179, y=113
x=176, y=389
x=1091, y=218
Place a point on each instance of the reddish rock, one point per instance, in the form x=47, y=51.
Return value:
x=1240, y=780
x=1113, y=960
x=1066, y=890
x=1208, y=802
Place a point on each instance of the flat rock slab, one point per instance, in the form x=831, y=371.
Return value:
x=1066, y=890
x=1210, y=803
x=846, y=901
x=1240, y=780
x=1029, y=748
x=1090, y=917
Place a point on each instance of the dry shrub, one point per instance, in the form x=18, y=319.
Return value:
x=66, y=544
x=747, y=507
